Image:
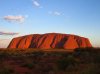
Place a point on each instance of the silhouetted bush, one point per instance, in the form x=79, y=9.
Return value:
x=28, y=65
x=66, y=62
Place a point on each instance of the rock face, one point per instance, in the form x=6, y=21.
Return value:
x=50, y=40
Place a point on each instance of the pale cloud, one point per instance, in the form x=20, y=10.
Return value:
x=56, y=13
x=8, y=33
x=37, y=4
x=12, y=18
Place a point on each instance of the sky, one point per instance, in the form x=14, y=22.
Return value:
x=22, y=17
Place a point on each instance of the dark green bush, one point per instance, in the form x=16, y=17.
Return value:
x=64, y=63
x=28, y=65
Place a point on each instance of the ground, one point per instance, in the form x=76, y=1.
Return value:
x=80, y=61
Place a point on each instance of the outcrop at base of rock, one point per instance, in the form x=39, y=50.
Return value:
x=49, y=41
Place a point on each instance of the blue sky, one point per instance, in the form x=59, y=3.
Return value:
x=21, y=17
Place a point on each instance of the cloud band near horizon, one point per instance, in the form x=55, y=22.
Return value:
x=8, y=33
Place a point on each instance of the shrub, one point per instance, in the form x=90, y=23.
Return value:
x=64, y=63
x=28, y=65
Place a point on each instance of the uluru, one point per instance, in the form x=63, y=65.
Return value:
x=50, y=41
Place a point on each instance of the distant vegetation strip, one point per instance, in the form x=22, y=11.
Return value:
x=31, y=51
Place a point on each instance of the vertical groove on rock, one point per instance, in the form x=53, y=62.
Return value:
x=51, y=45
x=42, y=38
x=58, y=40
x=33, y=43
x=18, y=42
x=78, y=40
x=62, y=42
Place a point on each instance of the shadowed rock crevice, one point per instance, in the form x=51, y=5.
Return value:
x=61, y=43
x=19, y=42
x=42, y=38
x=33, y=43
x=51, y=45
x=78, y=40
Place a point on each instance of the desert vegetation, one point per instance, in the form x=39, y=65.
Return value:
x=33, y=61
